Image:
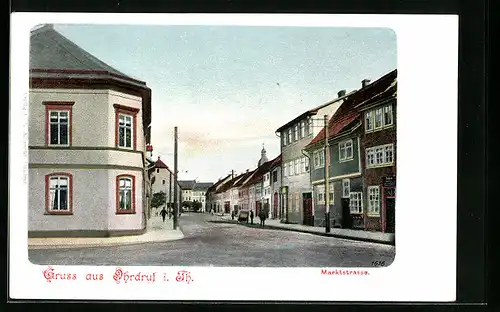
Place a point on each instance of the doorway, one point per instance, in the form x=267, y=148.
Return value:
x=390, y=214
x=308, y=218
x=346, y=214
x=275, y=204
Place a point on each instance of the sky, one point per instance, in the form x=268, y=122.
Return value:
x=228, y=88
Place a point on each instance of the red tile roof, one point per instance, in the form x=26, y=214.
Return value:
x=160, y=164
x=348, y=112
x=229, y=184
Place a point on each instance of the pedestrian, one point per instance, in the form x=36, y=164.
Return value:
x=163, y=214
x=251, y=216
x=262, y=216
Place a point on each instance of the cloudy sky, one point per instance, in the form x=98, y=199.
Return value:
x=229, y=88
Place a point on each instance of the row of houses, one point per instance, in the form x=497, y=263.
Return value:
x=187, y=190
x=359, y=152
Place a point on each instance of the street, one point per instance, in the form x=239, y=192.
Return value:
x=211, y=242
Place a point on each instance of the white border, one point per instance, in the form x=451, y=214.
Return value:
x=425, y=264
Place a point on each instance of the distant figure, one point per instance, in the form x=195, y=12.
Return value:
x=232, y=215
x=251, y=216
x=262, y=216
x=163, y=213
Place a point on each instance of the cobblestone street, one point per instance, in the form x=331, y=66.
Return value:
x=209, y=243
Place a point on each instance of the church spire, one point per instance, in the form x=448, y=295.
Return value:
x=263, y=156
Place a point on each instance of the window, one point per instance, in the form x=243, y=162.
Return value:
x=285, y=169
x=356, y=202
x=320, y=189
x=58, y=193
x=306, y=164
x=382, y=155
x=369, y=121
x=163, y=182
x=319, y=158
x=379, y=118
x=125, y=197
x=297, y=166
x=275, y=176
x=296, y=133
x=345, y=150
x=283, y=135
x=302, y=164
x=388, y=115
x=302, y=129
x=59, y=128
x=331, y=192
x=157, y=170
x=309, y=126
x=289, y=139
x=374, y=200
x=58, y=117
x=291, y=170
x=126, y=125
x=346, y=188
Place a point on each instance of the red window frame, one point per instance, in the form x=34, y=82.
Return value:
x=70, y=192
x=118, y=210
x=58, y=106
x=126, y=110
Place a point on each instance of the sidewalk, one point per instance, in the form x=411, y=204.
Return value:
x=359, y=235
x=157, y=231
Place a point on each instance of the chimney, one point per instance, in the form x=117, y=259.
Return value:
x=365, y=82
x=158, y=157
x=247, y=170
x=341, y=93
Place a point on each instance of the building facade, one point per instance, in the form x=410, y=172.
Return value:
x=378, y=146
x=296, y=187
x=213, y=195
x=199, y=192
x=163, y=181
x=275, y=178
x=88, y=129
x=354, y=191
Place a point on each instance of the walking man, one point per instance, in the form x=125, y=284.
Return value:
x=251, y=216
x=262, y=216
x=163, y=214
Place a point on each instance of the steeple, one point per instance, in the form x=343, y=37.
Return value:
x=263, y=156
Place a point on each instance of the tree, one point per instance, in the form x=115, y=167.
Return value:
x=158, y=200
x=196, y=205
x=187, y=204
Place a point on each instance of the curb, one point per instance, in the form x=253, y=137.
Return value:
x=94, y=245
x=362, y=239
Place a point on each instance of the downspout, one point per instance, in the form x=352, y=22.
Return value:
x=281, y=178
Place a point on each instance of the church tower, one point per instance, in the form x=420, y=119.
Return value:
x=263, y=157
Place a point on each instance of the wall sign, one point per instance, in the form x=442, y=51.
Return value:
x=389, y=181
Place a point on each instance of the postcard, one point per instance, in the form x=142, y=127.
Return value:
x=233, y=157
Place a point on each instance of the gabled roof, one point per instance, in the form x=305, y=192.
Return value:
x=229, y=184
x=244, y=182
x=259, y=173
x=160, y=164
x=349, y=111
x=276, y=162
x=218, y=183
x=202, y=186
x=187, y=184
x=311, y=112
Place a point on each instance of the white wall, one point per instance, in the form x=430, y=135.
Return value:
x=124, y=221
x=90, y=201
x=94, y=189
x=130, y=101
